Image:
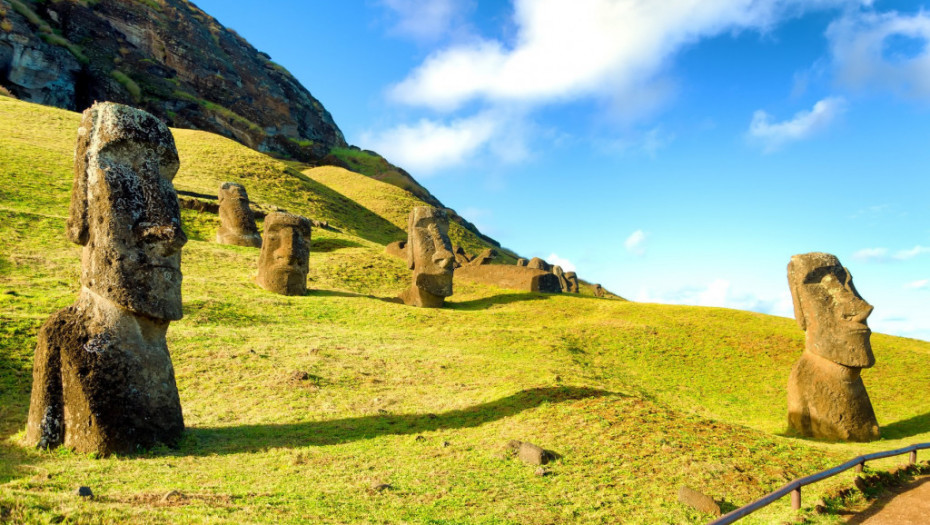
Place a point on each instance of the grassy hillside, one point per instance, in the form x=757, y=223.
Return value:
x=301, y=409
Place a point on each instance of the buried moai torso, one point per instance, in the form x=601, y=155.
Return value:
x=102, y=378
x=284, y=261
x=237, y=222
x=429, y=255
x=826, y=396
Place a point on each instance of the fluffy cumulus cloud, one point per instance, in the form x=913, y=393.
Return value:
x=635, y=243
x=430, y=145
x=565, y=49
x=566, y=265
x=425, y=20
x=883, y=51
x=773, y=135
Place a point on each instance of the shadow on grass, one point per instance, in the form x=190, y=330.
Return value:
x=251, y=438
x=907, y=427
x=487, y=302
x=336, y=293
x=331, y=245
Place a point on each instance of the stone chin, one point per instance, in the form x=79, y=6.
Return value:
x=151, y=291
x=439, y=285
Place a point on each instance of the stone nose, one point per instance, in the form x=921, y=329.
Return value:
x=167, y=239
x=858, y=310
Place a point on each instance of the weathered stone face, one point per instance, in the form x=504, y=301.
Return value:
x=831, y=311
x=563, y=282
x=237, y=222
x=124, y=210
x=826, y=396
x=284, y=262
x=598, y=291
x=102, y=374
x=429, y=255
x=572, y=279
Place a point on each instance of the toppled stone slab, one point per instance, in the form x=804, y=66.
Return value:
x=698, y=501
x=513, y=277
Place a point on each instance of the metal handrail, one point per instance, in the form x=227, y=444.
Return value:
x=794, y=487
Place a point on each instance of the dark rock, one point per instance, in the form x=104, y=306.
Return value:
x=698, y=501
x=174, y=61
x=84, y=492
x=381, y=487
x=534, y=455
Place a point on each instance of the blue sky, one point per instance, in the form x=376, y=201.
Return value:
x=674, y=151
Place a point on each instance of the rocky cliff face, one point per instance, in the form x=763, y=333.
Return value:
x=167, y=57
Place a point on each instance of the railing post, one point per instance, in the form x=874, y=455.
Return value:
x=913, y=458
x=796, y=499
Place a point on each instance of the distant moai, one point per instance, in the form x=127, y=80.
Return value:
x=521, y=262
x=237, y=222
x=826, y=396
x=102, y=377
x=461, y=258
x=539, y=264
x=429, y=255
x=284, y=260
x=397, y=249
x=484, y=257
x=563, y=282
x=599, y=291
x=572, y=279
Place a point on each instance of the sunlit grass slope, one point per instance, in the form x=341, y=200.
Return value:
x=302, y=409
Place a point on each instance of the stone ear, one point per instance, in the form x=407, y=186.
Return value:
x=794, y=285
x=78, y=221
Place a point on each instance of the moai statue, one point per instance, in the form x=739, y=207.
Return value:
x=598, y=291
x=237, y=222
x=826, y=396
x=521, y=262
x=284, y=261
x=572, y=279
x=539, y=264
x=429, y=255
x=461, y=258
x=563, y=282
x=102, y=378
x=484, y=257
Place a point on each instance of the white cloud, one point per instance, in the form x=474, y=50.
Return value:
x=648, y=142
x=774, y=135
x=432, y=145
x=871, y=254
x=425, y=20
x=867, y=53
x=922, y=284
x=720, y=293
x=566, y=265
x=564, y=49
x=881, y=254
x=904, y=255
x=634, y=243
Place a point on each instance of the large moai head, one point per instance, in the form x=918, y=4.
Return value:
x=284, y=260
x=539, y=264
x=429, y=250
x=124, y=210
x=572, y=279
x=237, y=222
x=831, y=311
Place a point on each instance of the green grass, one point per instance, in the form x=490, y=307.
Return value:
x=127, y=83
x=297, y=406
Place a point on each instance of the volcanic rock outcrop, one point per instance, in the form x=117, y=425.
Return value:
x=826, y=396
x=429, y=255
x=102, y=377
x=284, y=261
x=237, y=222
